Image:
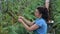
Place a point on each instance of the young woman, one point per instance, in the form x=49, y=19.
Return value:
x=39, y=26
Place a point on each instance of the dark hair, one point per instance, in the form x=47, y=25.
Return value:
x=44, y=12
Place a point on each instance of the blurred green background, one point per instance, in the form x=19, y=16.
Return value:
x=11, y=9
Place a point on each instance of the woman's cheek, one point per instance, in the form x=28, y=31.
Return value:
x=36, y=15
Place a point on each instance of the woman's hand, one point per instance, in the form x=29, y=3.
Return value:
x=20, y=20
x=20, y=17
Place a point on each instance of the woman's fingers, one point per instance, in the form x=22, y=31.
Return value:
x=20, y=20
x=20, y=17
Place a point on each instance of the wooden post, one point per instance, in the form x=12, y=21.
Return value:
x=47, y=3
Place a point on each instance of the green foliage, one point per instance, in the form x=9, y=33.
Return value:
x=55, y=9
x=11, y=9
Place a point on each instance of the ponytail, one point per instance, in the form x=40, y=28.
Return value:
x=44, y=12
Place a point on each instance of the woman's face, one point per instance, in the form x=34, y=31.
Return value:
x=37, y=14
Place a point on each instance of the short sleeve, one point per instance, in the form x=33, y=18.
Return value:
x=39, y=23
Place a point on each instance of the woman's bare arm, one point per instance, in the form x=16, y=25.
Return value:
x=28, y=22
x=29, y=28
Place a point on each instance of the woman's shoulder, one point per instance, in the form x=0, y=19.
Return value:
x=42, y=20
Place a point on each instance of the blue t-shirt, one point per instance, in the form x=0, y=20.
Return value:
x=42, y=26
